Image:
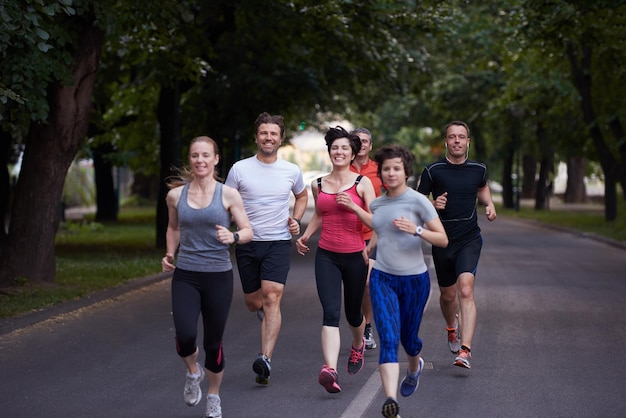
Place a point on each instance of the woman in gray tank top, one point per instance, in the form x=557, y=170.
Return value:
x=200, y=209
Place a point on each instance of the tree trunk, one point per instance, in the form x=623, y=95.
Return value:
x=168, y=115
x=507, y=178
x=546, y=171
x=107, y=205
x=575, y=190
x=529, y=170
x=580, y=62
x=49, y=150
x=5, y=181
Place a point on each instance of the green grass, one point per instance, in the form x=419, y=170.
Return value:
x=92, y=256
x=591, y=220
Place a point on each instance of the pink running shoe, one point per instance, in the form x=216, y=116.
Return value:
x=328, y=378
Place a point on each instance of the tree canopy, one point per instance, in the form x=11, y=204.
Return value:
x=129, y=84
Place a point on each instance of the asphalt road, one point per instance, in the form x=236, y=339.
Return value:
x=550, y=336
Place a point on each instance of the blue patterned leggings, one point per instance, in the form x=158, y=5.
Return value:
x=398, y=303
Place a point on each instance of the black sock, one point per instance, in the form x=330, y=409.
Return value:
x=464, y=347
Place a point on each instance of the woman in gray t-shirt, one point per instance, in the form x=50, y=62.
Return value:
x=399, y=284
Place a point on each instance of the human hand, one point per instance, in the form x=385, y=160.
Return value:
x=441, y=201
x=294, y=226
x=301, y=245
x=224, y=235
x=344, y=199
x=405, y=225
x=490, y=212
x=167, y=263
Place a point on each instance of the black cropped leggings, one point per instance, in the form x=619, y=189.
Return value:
x=209, y=294
x=331, y=271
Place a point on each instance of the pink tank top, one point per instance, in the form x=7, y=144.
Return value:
x=342, y=231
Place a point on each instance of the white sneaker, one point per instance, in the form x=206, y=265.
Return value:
x=213, y=406
x=193, y=392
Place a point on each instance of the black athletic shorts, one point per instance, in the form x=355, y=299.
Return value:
x=262, y=260
x=458, y=257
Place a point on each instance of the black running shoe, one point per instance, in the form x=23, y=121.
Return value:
x=391, y=409
x=262, y=368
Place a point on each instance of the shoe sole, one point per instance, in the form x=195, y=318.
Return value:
x=370, y=346
x=262, y=372
x=391, y=411
x=262, y=380
x=461, y=363
x=328, y=381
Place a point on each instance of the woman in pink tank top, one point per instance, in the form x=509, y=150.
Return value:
x=340, y=259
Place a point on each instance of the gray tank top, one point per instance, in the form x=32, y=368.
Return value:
x=199, y=248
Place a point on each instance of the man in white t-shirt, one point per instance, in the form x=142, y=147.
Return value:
x=266, y=183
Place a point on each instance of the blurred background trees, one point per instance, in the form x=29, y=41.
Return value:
x=126, y=85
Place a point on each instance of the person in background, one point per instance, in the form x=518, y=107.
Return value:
x=266, y=184
x=340, y=258
x=455, y=183
x=200, y=209
x=400, y=284
x=362, y=164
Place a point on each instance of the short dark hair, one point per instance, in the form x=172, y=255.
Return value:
x=456, y=123
x=267, y=118
x=388, y=152
x=338, y=132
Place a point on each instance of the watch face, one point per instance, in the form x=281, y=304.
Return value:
x=236, y=236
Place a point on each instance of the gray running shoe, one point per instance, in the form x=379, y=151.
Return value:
x=262, y=368
x=193, y=392
x=410, y=384
x=369, y=338
x=463, y=359
x=454, y=338
x=260, y=314
x=213, y=406
x=391, y=409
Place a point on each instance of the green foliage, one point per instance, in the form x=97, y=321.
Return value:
x=90, y=257
x=33, y=55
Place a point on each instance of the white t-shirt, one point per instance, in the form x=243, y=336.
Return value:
x=266, y=190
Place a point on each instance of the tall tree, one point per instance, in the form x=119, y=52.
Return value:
x=50, y=144
x=586, y=34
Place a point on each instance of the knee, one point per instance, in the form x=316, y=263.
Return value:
x=448, y=295
x=271, y=297
x=466, y=293
x=253, y=301
x=185, y=346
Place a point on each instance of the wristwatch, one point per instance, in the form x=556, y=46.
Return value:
x=298, y=221
x=236, y=237
x=418, y=231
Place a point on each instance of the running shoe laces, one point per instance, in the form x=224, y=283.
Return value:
x=213, y=406
x=355, y=362
x=193, y=392
x=463, y=359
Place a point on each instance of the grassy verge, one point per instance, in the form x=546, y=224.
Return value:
x=92, y=256
x=584, y=220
